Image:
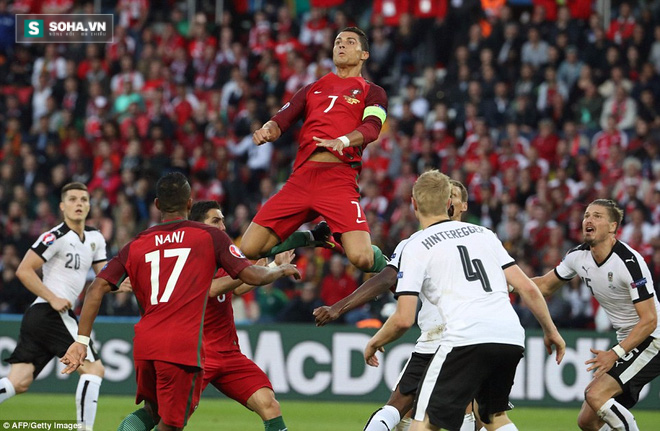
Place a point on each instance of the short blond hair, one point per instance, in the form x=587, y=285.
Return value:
x=431, y=192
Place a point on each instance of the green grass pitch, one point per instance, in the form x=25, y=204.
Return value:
x=226, y=415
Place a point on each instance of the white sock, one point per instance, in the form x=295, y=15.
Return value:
x=468, y=422
x=617, y=416
x=384, y=419
x=605, y=427
x=87, y=395
x=404, y=425
x=508, y=427
x=6, y=390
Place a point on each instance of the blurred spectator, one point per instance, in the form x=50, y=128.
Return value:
x=271, y=302
x=300, y=308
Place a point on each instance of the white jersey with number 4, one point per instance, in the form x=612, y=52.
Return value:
x=459, y=268
x=428, y=319
x=68, y=259
x=618, y=283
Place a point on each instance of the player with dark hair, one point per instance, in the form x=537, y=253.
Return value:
x=342, y=114
x=171, y=266
x=226, y=367
x=65, y=253
x=620, y=280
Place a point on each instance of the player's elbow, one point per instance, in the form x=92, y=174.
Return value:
x=403, y=322
x=22, y=273
x=649, y=322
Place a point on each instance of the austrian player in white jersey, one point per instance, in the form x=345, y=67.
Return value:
x=394, y=415
x=621, y=282
x=463, y=270
x=65, y=254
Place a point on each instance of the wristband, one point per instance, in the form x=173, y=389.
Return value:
x=620, y=351
x=272, y=265
x=83, y=340
x=345, y=141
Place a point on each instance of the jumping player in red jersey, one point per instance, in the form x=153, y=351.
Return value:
x=229, y=370
x=171, y=266
x=342, y=113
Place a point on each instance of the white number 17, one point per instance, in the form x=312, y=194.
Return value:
x=153, y=258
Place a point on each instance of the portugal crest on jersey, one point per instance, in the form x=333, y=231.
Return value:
x=352, y=99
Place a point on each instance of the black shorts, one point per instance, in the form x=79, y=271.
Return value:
x=458, y=375
x=413, y=372
x=46, y=333
x=636, y=369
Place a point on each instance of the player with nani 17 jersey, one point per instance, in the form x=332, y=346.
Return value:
x=171, y=266
x=342, y=113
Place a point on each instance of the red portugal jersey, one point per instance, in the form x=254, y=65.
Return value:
x=171, y=267
x=219, y=328
x=333, y=107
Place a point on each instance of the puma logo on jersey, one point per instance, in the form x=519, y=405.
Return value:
x=586, y=270
x=632, y=259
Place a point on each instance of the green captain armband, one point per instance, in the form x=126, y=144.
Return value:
x=376, y=111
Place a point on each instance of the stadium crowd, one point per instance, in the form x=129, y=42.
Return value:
x=537, y=109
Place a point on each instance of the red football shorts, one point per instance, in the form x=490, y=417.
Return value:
x=234, y=375
x=315, y=189
x=174, y=388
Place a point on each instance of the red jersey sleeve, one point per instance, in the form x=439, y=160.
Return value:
x=115, y=271
x=292, y=110
x=228, y=256
x=374, y=114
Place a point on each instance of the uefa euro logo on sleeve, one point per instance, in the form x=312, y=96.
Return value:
x=34, y=28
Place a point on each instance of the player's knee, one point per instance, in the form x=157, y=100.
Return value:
x=363, y=261
x=585, y=424
x=595, y=397
x=250, y=251
x=22, y=385
x=95, y=368
x=265, y=404
x=272, y=408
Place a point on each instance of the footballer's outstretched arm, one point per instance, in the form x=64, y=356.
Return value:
x=531, y=294
x=261, y=275
x=370, y=289
x=227, y=284
x=548, y=283
x=393, y=328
